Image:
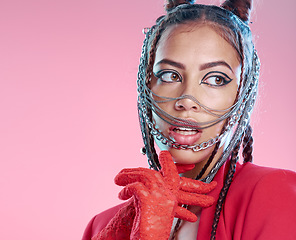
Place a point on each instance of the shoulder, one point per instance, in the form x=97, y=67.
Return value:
x=254, y=183
x=98, y=222
x=265, y=180
x=266, y=200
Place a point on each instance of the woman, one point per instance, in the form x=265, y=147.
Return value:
x=197, y=85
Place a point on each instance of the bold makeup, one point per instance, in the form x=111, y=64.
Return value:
x=184, y=135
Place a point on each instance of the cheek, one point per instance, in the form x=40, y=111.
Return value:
x=153, y=85
x=227, y=98
x=171, y=90
x=230, y=98
x=218, y=127
x=163, y=127
x=158, y=121
x=212, y=131
x=160, y=124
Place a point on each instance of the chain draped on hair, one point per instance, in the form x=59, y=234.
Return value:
x=237, y=117
x=146, y=103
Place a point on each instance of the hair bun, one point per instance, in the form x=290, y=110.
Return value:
x=241, y=8
x=170, y=4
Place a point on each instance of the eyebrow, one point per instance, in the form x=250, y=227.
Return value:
x=214, y=64
x=172, y=63
x=202, y=67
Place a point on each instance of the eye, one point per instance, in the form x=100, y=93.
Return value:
x=216, y=79
x=168, y=76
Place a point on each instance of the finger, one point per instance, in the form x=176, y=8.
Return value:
x=195, y=199
x=196, y=186
x=136, y=189
x=169, y=169
x=185, y=214
x=184, y=167
x=150, y=178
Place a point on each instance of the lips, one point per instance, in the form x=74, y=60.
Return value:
x=184, y=135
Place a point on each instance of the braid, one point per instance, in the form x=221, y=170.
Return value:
x=148, y=148
x=248, y=145
x=176, y=228
x=147, y=137
x=210, y=160
x=205, y=167
x=154, y=156
x=151, y=55
x=238, y=35
x=222, y=196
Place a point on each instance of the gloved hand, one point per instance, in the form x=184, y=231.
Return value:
x=157, y=198
x=120, y=226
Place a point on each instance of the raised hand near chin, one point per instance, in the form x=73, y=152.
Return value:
x=158, y=197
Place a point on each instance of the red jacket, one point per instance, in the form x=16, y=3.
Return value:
x=260, y=204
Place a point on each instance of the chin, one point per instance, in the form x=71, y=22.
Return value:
x=188, y=156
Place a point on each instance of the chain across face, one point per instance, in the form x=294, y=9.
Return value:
x=149, y=104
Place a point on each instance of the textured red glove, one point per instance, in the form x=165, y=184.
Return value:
x=156, y=199
x=120, y=225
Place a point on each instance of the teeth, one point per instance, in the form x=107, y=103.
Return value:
x=185, y=131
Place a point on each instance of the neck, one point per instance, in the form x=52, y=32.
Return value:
x=199, y=166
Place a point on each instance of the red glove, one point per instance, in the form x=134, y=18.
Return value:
x=119, y=227
x=157, y=198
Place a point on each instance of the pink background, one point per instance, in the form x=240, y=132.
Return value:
x=68, y=105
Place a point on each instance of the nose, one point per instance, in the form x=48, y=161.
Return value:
x=187, y=104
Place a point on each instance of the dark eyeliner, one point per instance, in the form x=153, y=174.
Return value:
x=159, y=73
x=225, y=78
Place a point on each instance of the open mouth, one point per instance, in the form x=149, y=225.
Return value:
x=185, y=130
x=184, y=135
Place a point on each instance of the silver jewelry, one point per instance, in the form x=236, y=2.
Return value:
x=237, y=115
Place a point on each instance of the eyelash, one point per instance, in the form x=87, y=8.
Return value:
x=161, y=73
x=217, y=74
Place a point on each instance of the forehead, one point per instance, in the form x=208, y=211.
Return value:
x=195, y=41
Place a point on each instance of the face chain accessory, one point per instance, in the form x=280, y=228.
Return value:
x=237, y=116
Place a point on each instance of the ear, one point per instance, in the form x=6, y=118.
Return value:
x=241, y=8
x=170, y=4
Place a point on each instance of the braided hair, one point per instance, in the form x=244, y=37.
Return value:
x=231, y=22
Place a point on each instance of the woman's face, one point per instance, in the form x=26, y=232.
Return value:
x=194, y=60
